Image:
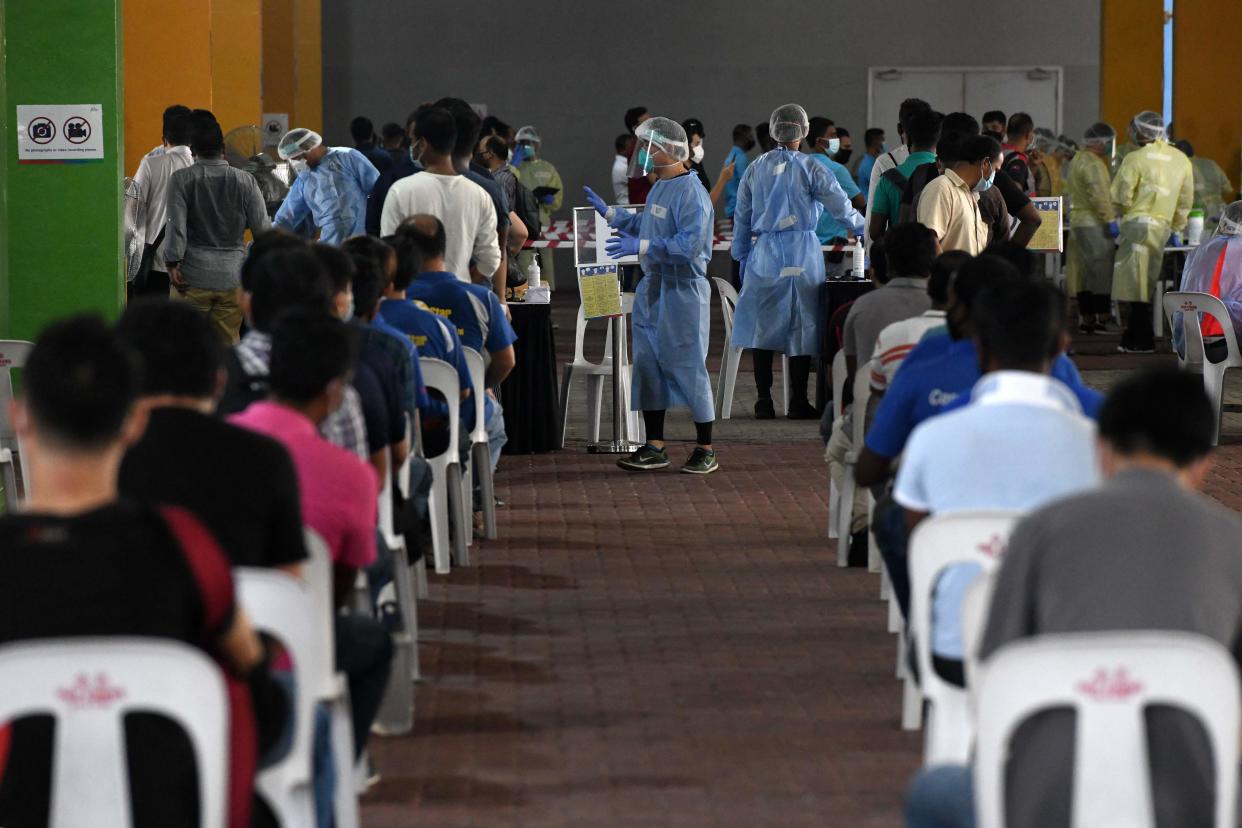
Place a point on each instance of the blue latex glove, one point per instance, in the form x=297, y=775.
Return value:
x=1175, y=240
x=595, y=201
x=619, y=247
x=1114, y=229
x=548, y=198
x=518, y=155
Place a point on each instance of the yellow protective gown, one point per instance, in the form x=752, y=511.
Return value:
x=1153, y=191
x=1048, y=176
x=1212, y=191
x=535, y=173
x=1089, y=259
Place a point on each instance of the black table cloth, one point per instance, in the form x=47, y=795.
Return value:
x=833, y=295
x=529, y=393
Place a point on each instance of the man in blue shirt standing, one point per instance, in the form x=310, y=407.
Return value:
x=874, y=141
x=823, y=145
x=472, y=309
x=739, y=157
x=331, y=188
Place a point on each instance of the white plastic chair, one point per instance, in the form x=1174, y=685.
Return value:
x=595, y=372
x=838, y=389
x=444, y=502
x=1189, y=305
x=731, y=356
x=405, y=643
x=1108, y=679
x=938, y=543
x=975, y=605
x=332, y=688
x=13, y=354
x=480, y=456
x=88, y=685
x=845, y=498
x=284, y=607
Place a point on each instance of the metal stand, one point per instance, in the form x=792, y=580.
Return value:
x=620, y=443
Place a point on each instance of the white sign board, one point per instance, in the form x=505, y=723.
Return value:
x=275, y=124
x=59, y=133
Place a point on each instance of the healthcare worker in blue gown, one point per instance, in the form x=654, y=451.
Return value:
x=779, y=202
x=331, y=188
x=672, y=304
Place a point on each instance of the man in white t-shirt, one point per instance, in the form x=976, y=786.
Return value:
x=897, y=340
x=889, y=160
x=463, y=207
x=152, y=178
x=620, y=169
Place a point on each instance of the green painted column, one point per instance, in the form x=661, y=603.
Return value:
x=60, y=224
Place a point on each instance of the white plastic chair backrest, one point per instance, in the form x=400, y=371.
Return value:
x=862, y=394
x=580, y=326
x=1189, y=304
x=940, y=542
x=285, y=608
x=1108, y=679
x=88, y=685
x=728, y=303
x=317, y=573
x=975, y=605
x=477, y=366
x=13, y=354
x=838, y=382
x=387, y=520
x=441, y=376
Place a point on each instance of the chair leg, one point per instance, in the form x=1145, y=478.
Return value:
x=466, y=503
x=566, y=381
x=407, y=601
x=873, y=550
x=834, y=505
x=845, y=516
x=903, y=666
x=785, y=381
x=1214, y=387
x=461, y=550
x=728, y=369
x=911, y=705
x=487, y=488
x=343, y=763
x=595, y=404
x=420, y=578
x=438, y=505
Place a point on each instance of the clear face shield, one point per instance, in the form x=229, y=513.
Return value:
x=649, y=156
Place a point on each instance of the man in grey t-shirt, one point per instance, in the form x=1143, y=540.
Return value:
x=210, y=208
x=1144, y=551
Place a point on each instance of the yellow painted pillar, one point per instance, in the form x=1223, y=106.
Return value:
x=308, y=64
x=167, y=60
x=278, y=65
x=1207, y=97
x=1131, y=59
x=236, y=61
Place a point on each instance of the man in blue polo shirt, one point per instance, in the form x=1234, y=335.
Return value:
x=823, y=146
x=472, y=309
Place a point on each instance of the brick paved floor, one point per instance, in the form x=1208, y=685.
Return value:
x=665, y=649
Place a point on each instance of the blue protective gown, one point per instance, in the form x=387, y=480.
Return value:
x=672, y=305
x=333, y=194
x=779, y=202
x=1214, y=267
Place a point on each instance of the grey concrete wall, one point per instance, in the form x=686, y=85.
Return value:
x=573, y=68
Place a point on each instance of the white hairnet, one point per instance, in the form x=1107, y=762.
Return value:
x=665, y=135
x=528, y=133
x=1148, y=125
x=1099, y=133
x=788, y=124
x=1045, y=139
x=1231, y=221
x=298, y=142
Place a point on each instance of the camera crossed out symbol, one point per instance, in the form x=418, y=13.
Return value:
x=41, y=130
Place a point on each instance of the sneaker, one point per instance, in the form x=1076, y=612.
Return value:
x=646, y=458
x=801, y=410
x=1126, y=349
x=1089, y=328
x=764, y=410
x=701, y=461
x=858, y=554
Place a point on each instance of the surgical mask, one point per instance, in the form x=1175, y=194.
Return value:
x=985, y=184
x=349, y=311
x=830, y=145
x=644, y=160
x=844, y=155
x=696, y=154
x=299, y=166
x=884, y=146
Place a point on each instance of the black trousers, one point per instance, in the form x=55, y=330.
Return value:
x=799, y=373
x=1139, y=333
x=364, y=655
x=1090, y=304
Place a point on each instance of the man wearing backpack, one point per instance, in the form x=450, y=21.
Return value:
x=894, y=156
x=1017, y=163
x=921, y=136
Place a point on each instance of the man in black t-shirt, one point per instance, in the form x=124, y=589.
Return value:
x=81, y=562
x=242, y=485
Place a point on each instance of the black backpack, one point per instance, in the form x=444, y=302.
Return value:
x=527, y=208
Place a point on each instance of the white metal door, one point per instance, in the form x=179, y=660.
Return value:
x=973, y=89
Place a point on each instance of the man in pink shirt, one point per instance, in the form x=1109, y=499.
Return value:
x=312, y=353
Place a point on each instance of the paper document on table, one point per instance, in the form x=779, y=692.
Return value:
x=1048, y=238
x=600, y=287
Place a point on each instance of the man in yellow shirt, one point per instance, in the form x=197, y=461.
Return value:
x=1093, y=226
x=949, y=204
x=1153, y=192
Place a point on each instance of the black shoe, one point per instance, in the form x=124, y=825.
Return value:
x=858, y=549
x=801, y=410
x=764, y=410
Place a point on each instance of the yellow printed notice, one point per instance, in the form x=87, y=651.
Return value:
x=600, y=287
x=1048, y=237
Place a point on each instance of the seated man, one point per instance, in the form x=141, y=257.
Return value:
x=280, y=273
x=81, y=561
x=924, y=388
x=1020, y=441
x=474, y=310
x=240, y=484
x=311, y=355
x=1162, y=558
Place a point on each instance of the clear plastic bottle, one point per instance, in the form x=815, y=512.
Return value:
x=533, y=276
x=857, y=271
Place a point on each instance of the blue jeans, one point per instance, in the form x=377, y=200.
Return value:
x=889, y=527
x=323, y=770
x=941, y=797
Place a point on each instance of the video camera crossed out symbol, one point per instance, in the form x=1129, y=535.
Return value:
x=41, y=130
x=77, y=130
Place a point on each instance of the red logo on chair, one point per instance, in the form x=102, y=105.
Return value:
x=1189, y=306
x=1106, y=686
x=994, y=548
x=87, y=693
